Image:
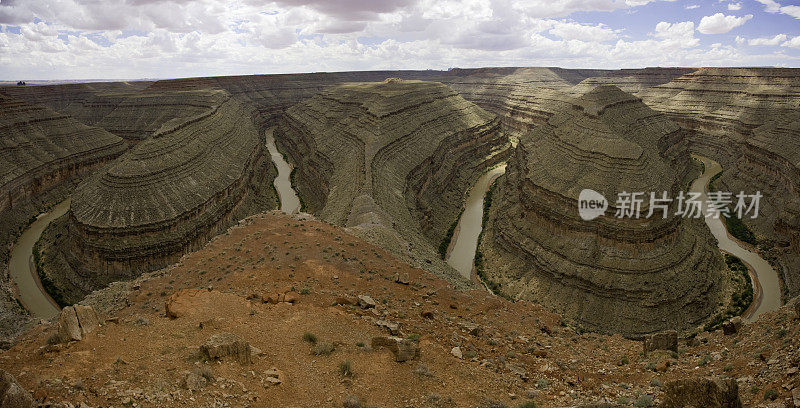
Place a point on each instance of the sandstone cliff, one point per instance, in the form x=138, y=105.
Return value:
x=167, y=196
x=746, y=118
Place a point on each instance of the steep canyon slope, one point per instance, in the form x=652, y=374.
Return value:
x=43, y=154
x=167, y=196
x=617, y=275
x=747, y=119
x=392, y=160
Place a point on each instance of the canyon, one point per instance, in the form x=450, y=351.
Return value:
x=630, y=275
x=165, y=177
x=390, y=160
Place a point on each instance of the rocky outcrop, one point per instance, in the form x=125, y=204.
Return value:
x=747, y=120
x=224, y=345
x=392, y=160
x=621, y=275
x=12, y=395
x=42, y=155
x=168, y=195
x=75, y=322
x=702, y=392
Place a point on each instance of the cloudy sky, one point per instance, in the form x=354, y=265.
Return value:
x=83, y=39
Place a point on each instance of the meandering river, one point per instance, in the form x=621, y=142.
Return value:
x=766, y=285
x=290, y=203
x=23, y=269
x=461, y=254
x=465, y=237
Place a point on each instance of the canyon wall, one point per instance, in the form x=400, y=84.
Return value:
x=746, y=119
x=392, y=160
x=615, y=275
x=42, y=155
x=167, y=196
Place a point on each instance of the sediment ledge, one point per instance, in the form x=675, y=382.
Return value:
x=747, y=120
x=42, y=155
x=167, y=196
x=612, y=275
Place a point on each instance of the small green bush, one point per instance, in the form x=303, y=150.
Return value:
x=310, y=338
x=346, y=369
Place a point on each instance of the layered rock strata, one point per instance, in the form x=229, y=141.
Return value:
x=168, y=195
x=747, y=120
x=617, y=275
x=391, y=159
x=42, y=155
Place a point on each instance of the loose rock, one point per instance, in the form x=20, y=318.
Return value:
x=226, y=344
x=702, y=392
x=667, y=340
x=366, y=302
x=403, y=349
x=12, y=395
x=732, y=326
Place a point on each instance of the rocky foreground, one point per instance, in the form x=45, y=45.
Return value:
x=294, y=312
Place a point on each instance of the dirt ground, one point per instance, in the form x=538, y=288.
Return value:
x=511, y=353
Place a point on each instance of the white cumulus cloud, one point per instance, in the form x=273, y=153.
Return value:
x=720, y=23
x=776, y=40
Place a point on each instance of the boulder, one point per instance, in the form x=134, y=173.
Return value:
x=68, y=327
x=12, y=395
x=456, y=352
x=667, y=340
x=366, y=302
x=224, y=345
x=87, y=318
x=179, y=303
x=193, y=381
x=403, y=349
x=732, y=326
x=702, y=392
x=392, y=327
x=402, y=278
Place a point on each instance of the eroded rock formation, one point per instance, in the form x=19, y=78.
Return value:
x=746, y=119
x=168, y=195
x=42, y=154
x=622, y=275
x=390, y=158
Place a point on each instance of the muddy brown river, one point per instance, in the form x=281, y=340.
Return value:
x=465, y=237
x=290, y=203
x=23, y=270
x=766, y=285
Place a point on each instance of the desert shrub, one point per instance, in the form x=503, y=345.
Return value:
x=310, y=338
